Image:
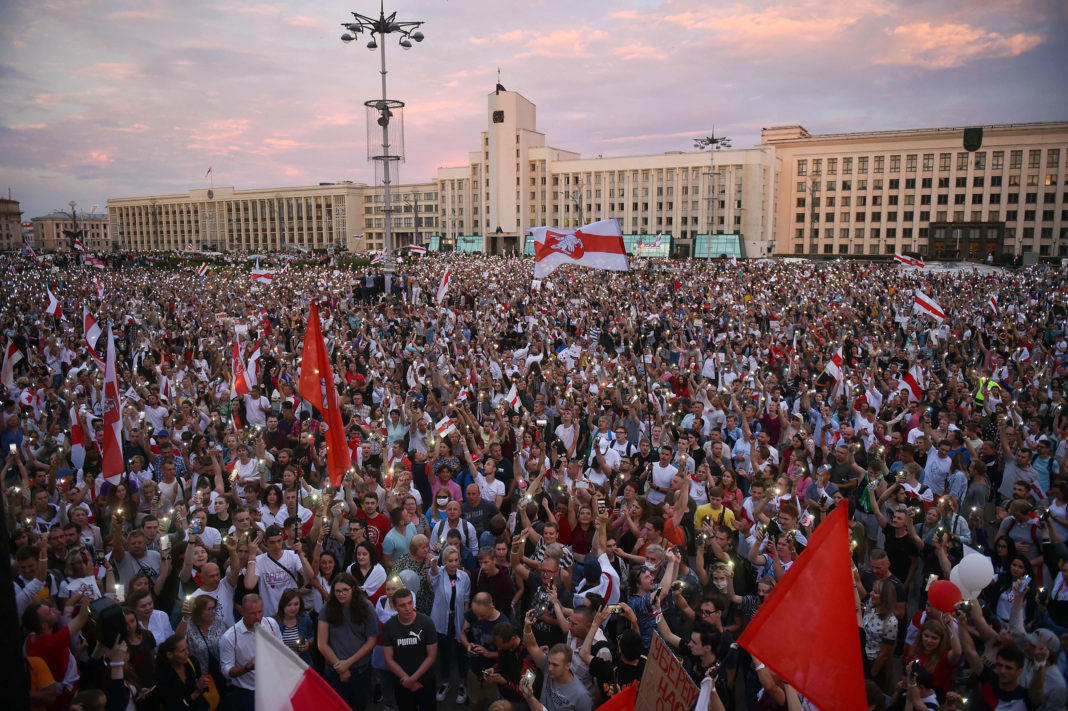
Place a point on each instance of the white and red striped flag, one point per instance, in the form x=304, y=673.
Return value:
x=91, y=331
x=322, y=282
x=734, y=261
x=357, y=238
x=263, y=276
x=92, y=261
x=285, y=683
x=78, y=245
x=443, y=288
x=913, y=383
x=927, y=305
x=994, y=303
x=12, y=355
x=416, y=249
x=445, y=426
x=834, y=366
x=53, y=308
x=239, y=384
x=1038, y=491
x=598, y=245
x=379, y=256
x=909, y=261
x=512, y=398
x=111, y=466
x=99, y=285
x=77, y=439
x=202, y=269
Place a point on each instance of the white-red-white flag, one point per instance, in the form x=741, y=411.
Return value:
x=379, y=256
x=54, y=310
x=927, y=305
x=263, y=276
x=202, y=269
x=909, y=261
x=285, y=683
x=12, y=355
x=598, y=245
x=111, y=466
x=78, y=245
x=445, y=426
x=512, y=398
x=91, y=331
x=99, y=286
x=913, y=383
x=322, y=282
x=834, y=366
x=439, y=297
x=77, y=439
x=994, y=303
x=415, y=249
x=239, y=384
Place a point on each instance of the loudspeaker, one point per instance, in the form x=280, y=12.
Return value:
x=973, y=138
x=109, y=622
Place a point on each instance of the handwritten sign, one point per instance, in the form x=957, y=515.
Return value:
x=665, y=685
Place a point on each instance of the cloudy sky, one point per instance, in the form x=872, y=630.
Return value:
x=104, y=99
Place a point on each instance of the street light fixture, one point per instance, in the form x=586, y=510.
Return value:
x=711, y=144
x=377, y=29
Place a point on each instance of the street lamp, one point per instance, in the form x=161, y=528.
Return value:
x=377, y=30
x=711, y=144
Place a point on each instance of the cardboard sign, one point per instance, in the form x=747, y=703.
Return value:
x=665, y=685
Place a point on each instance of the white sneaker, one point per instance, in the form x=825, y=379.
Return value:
x=443, y=691
x=461, y=694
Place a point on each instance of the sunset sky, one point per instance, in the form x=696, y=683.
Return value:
x=110, y=99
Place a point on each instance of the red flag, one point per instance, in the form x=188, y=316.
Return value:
x=111, y=467
x=623, y=701
x=316, y=385
x=813, y=602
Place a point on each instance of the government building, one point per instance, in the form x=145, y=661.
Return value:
x=794, y=194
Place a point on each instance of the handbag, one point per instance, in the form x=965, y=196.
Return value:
x=217, y=682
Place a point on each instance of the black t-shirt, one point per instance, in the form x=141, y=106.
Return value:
x=900, y=551
x=410, y=642
x=608, y=673
x=481, y=633
x=480, y=515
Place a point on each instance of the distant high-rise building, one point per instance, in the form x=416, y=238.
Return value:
x=10, y=225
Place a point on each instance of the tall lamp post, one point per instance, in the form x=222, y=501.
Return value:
x=378, y=28
x=711, y=144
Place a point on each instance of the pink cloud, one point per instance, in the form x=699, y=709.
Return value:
x=638, y=50
x=304, y=21
x=110, y=70
x=922, y=44
x=100, y=157
x=565, y=43
x=28, y=126
x=133, y=128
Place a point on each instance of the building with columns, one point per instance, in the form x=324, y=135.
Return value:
x=884, y=192
x=796, y=193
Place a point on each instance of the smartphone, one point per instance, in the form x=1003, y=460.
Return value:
x=602, y=508
x=12, y=448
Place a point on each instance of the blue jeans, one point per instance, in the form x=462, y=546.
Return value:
x=357, y=690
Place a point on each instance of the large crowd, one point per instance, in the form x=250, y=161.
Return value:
x=544, y=477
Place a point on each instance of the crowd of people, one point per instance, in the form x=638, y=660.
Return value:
x=544, y=477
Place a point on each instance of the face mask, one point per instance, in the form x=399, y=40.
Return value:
x=652, y=567
x=442, y=503
x=720, y=584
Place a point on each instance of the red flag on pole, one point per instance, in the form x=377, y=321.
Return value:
x=237, y=368
x=814, y=601
x=111, y=467
x=316, y=385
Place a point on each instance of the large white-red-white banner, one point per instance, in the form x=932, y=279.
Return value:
x=598, y=245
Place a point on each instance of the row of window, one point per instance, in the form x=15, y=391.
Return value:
x=945, y=160
x=978, y=181
x=1044, y=250
x=876, y=233
x=943, y=199
x=940, y=216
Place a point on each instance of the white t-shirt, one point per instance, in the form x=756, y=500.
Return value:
x=662, y=477
x=224, y=599
x=490, y=490
x=567, y=435
x=255, y=416
x=274, y=580
x=154, y=416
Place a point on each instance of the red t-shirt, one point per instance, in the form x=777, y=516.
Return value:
x=377, y=528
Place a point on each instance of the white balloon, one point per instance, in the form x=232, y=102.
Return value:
x=954, y=577
x=976, y=571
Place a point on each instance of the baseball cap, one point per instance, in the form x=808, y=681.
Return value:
x=163, y=433
x=1046, y=637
